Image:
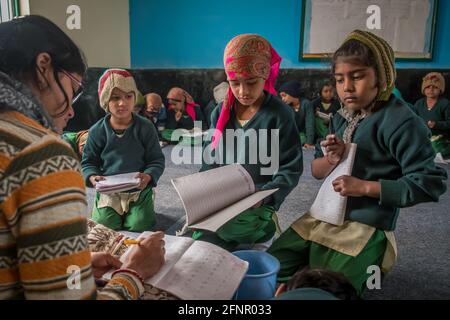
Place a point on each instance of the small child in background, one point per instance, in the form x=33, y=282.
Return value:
x=435, y=112
x=77, y=141
x=316, y=284
x=220, y=91
x=182, y=112
x=291, y=94
x=122, y=142
x=155, y=111
x=324, y=106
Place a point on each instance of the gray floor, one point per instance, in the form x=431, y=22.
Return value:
x=423, y=233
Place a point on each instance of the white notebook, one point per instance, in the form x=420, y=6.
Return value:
x=329, y=206
x=196, y=270
x=118, y=183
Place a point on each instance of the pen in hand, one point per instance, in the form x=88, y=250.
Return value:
x=131, y=242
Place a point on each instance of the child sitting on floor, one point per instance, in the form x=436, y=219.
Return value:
x=122, y=142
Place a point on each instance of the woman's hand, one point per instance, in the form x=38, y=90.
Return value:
x=145, y=180
x=334, y=148
x=102, y=262
x=95, y=179
x=147, y=258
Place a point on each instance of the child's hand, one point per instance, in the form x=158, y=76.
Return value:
x=348, y=186
x=95, y=179
x=178, y=115
x=431, y=124
x=309, y=146
x=145, y=180
x=334, y=147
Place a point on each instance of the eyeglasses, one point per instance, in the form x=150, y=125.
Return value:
x=76, y=93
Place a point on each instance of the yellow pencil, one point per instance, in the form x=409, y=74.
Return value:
x=130, y=242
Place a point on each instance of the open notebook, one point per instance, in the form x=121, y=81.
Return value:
x=212, y=198
x=329, y=205
x=196, y=270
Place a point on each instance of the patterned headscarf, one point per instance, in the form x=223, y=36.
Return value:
x=182, y=95
x=247, y=56
x=385, y=67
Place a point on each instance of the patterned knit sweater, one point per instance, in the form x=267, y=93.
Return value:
x=43, y=212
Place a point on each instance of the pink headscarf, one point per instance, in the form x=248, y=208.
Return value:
x=182, y=95
x=247, y=56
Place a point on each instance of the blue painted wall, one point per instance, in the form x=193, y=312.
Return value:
x=193, y=33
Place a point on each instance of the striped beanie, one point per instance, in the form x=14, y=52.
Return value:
x=385, y=60
x=433, y=79
x=115, y=78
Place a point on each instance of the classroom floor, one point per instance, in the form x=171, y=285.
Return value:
x=423, y=266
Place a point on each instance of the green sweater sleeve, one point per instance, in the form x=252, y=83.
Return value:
x=422, y=181
x=309, y=122
x=153, y=157
x=207, y=165
x=445, y=123
x=290, y=161
x=91, y=161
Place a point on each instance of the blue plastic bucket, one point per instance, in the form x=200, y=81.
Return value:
x=260, y=281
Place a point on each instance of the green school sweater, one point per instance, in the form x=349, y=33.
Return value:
x=393, y=148
x=138, y=150
x=304, y=118
x=440, y=113
x=273, y=114
x=317, y=106
x=186, y=121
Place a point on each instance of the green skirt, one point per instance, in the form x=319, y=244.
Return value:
x=249, y=227
x=441, y=144
x=139, y=218
x=321, y=128
x=295, y=253
x=71, y=138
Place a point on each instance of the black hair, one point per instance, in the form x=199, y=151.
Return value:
x=354, y=51
x=330, y=281
x=23, y=39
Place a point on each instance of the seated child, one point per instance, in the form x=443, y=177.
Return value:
x=77, y=141
x=435, y=112
x=326, y=104
x=316, y=284
x=290, y=93
x=122, y=142
x=182, y=112
x=251, y=106
x=393, y=168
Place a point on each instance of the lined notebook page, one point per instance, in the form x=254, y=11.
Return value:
x=205, y=272
x=225, y=185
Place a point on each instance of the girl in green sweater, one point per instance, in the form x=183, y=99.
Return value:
x=393, y=168
x=122, y=142
x=252, y=108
